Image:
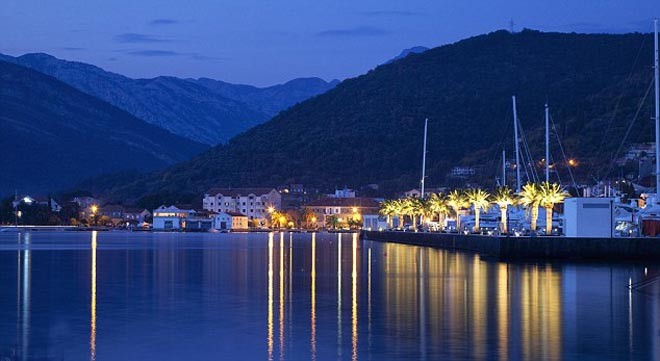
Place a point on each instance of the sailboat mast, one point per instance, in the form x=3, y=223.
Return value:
x=426, y=123
x=547, y=144
x=657, y=114
x=503, y=167
x=517, y=144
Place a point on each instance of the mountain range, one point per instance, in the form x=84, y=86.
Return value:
x=203, y=110
x=368, y=130
x=54, y=135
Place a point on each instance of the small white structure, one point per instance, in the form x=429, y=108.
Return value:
x=588, y=217
x=170, y=218
x=230, y=221
x=374, y=222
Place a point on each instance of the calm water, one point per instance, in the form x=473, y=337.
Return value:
x=150, y=296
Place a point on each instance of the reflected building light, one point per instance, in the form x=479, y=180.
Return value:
x=281, y=298
x=92, y=335
x=269, y=338
x=339, y=295
x=313, y=296
x=369, y=296
x=503, y=310
x=25, y=280
x=422, y=304
x=354, y=312
x=630, y=317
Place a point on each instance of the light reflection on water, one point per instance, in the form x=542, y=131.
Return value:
x=109, y=296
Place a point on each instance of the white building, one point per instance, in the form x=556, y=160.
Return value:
x=169, y=218
x=374, y=222
x=588, y=217
x=42, y=201
x=251, y=202
x=233, y=221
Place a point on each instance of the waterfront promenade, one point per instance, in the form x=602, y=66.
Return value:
x=521, y=248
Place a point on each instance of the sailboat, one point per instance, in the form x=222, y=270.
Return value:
x=649, y=217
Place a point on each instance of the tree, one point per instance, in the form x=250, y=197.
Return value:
x=530, y=197
x=479, y=200
x=457, y=201
x=387, y=209
x=331, y=222
x=308, y=216
x=437, y=203
x=399, y=208
x=503, y=199
x=551, y=194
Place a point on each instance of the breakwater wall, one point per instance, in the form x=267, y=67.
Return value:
x=522, y=248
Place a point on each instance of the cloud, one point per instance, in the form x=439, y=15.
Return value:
x=389, y=13
x=139, y=38
x=163, y=22
x=152, y=53
x=69, y=48
x=353, y=32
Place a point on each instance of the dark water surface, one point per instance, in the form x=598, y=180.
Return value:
x=151, y=296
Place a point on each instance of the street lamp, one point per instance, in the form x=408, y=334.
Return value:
x=94, y=208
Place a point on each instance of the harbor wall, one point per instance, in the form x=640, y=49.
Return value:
x=521, y=248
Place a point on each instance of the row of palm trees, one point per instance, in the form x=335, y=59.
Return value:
x=532, y=196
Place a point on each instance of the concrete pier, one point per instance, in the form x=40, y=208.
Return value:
x=521, y=248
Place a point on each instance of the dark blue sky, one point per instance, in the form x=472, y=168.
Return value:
x=263, y=42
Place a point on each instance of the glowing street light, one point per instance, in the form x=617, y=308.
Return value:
x=572, y=162
x=271, y=209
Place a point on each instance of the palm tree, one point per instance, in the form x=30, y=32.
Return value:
x=419, y=209
x=457, y=201
x=530, y=197
x=387, y=208
x=410, y=207
x=399, y=208
x=503, y=199
x=551, y=194
x=479, y=200
x=437, y=204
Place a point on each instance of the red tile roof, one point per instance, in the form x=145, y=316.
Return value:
x=233, y=192
x=345, y=202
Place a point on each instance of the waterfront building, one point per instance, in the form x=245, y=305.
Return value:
x=42, y=201
x=136, y=215
x=343, y=193
x=252, y=202
x=113, y=211
x=588, y=217
x=230, y=221
x=171, y=218
x=416, y=193
x=341, y=210
x=462, y=172
x=374, y=222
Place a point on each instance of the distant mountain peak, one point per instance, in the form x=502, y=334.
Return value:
x=405, y=52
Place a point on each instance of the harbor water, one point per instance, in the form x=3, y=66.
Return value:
x=308, y=296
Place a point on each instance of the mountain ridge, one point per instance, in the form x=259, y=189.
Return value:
x=181, y=106
x=55, y=135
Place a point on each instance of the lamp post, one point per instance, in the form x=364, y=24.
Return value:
x=94, y=208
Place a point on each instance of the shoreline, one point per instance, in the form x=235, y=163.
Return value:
x=528, y=248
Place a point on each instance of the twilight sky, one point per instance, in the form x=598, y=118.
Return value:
x=263, y=42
